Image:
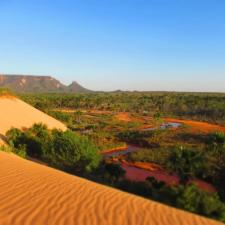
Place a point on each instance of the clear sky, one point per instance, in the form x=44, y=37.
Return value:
x=117, y=44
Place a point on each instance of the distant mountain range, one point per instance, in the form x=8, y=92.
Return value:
x=37, y=84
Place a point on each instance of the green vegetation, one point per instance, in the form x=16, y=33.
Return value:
x=63, y=150
x=20, y=151
x=113, y=173
x=216, y=155
x=91, y=119
x=159, y=156
x=186, y=163
x=208, y=107
x=188, y=197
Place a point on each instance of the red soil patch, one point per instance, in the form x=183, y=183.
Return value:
x=144, y=165
x=100, y=112
x=197, y=126
x=115, y=149
x=139, y=174
x=127, y=117
x=124, y=117
x=204, y=185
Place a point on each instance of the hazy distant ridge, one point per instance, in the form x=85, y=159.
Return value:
x=30, y=83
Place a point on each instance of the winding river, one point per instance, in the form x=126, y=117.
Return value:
x=139, y=174
x=132, y=148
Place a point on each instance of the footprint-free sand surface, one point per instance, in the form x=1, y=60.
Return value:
x=18, y=114
x=33, y=194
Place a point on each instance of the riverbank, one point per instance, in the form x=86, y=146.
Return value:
x=112, y=150
x=197, y=126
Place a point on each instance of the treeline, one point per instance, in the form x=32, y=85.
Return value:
x=199, y=106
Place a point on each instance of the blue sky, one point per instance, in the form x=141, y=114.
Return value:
x=117, y=44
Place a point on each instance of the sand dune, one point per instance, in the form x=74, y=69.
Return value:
x=16, y=113
x=33, y=194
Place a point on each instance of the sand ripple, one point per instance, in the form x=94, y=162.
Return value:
x=33, y=194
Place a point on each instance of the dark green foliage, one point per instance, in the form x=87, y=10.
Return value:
x=186, y=163
x=208, y=107
x=73, y=151
x=20, y=151
x=140, y=138
x=64, y=150
x=188, y=197
x=14, y=137
x=64, y=117
x=217, y=139
x=195, y=200
x=155, y=155
x=114, y=172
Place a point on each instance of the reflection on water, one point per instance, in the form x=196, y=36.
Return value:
x=165, y=126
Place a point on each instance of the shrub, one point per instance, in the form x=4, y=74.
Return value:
x=186, y=163
x=14, y=137
x=114, y=172
x=195, y=200
x=70, y=151
x=64, y=150
x=21, y=151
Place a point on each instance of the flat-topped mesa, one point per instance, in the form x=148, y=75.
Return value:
x=37, y=84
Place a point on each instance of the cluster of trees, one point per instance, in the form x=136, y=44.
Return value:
x=145, y=139
x=206, y=162
x=216, y=158
x=200, y=106
x=159, y=156
x=61, y=149
x=188, y=197
x=99, y=128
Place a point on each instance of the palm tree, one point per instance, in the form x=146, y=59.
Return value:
x=186, y=163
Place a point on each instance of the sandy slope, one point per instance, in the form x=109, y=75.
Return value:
x=16, y=113
x=34, y=194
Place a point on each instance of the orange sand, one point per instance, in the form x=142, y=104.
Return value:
x=33, y=194
x=198, y=126
x=115, y=149
x=16, y=113
x=144, y=165
x=125, y=116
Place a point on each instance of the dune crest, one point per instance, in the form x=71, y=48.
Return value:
x=33, y=194
x=18, y=114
